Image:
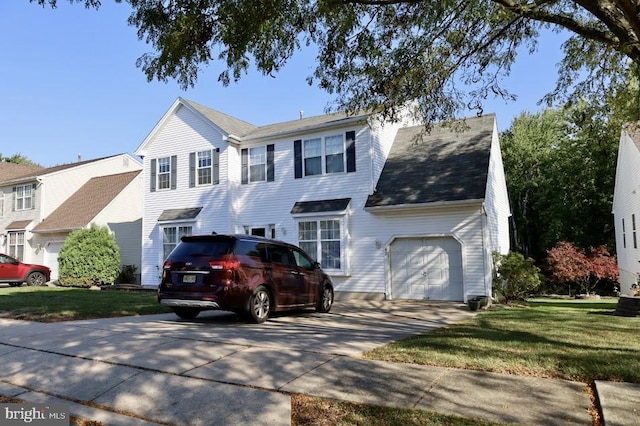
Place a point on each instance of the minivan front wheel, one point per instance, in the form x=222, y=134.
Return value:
x=326, y=300
x=259, y=305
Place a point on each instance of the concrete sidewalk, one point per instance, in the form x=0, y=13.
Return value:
x=156, y=370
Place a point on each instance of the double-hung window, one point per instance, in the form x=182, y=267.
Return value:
x=24, y=197
x=258, y=164
x=171, y=235
x=323, y=240
x=16, y=245
x=204, y=167
x=325, y=155
x=163, y=173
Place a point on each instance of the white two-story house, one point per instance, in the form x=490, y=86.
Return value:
x=39, y=207
x=389, y=213
x=626, y=207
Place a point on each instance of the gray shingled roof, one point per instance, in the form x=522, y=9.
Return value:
x=633, y=130
x=84, y=205
x=248, y=131
x=319, y=206
x=231, y=125
x=443, y=166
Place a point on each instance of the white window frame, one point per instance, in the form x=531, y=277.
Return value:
x=320, y=238
x=327, y=148
x=257, y=160
x=20, y=195
x=180, y=230
x=164, y=174
x=15, y=244
x=269, y=230
x=204, y=168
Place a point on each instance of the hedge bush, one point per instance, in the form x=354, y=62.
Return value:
x=89, y=257
x=516, y=276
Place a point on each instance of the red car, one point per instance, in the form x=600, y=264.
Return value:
x=15, y=273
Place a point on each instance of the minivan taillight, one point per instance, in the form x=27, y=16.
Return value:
x=230, y=264
x=167, y=264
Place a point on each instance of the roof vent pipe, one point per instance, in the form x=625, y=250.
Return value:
x=301, y=114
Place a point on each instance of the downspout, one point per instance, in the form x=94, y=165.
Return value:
x=487, y=256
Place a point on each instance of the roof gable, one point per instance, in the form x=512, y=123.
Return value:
x=86, y=203
x=441, y=166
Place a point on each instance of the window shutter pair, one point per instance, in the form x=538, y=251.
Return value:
x=215, y=165
x=174, y=173
x=244, y=160
x=350, y=152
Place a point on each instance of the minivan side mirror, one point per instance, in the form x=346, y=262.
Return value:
x=316, y=265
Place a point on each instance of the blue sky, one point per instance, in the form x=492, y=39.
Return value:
x=70, y=86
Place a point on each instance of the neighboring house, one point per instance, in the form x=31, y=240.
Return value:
x=41, y=206
x=386, y=214
x=626, y=206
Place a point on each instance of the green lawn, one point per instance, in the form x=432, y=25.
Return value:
x=570, y=339
x=51, y=304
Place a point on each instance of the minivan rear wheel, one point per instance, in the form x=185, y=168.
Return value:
x=186, y=313
x=259, y=305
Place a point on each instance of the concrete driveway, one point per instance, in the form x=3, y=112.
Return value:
x=163, y=369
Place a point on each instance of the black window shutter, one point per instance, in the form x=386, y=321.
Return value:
x=192, y=169
x=153, y=175
x=270, y=167
x=297, y=155
x=351, y=151
x=174, y=171
x=15, y=200
x=244, y=154
x=33, y=196
x=216, y=166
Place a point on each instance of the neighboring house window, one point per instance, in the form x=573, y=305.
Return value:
x=323, y=241
x=633, y=228
x=171, y=237
x=624, y=235
x=24, y=197
x=16, y=245
x=258, y=164
x=204, y=168
x=331, y=154
x=164, y=173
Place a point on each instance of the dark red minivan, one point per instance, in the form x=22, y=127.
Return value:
x=251, y=276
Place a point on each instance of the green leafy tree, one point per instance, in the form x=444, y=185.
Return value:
x=449, y=56
x=516, y=276
x=89, y=257
x=18, y=159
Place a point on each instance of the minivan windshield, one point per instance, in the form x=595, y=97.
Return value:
x=190, y=249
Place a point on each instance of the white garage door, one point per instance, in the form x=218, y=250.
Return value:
x=53, y=249
x=426, y=268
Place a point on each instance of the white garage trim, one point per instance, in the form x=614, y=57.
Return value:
x=425, y=267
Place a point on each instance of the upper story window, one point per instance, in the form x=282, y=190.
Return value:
x=1, y=205
x=330, y=154
x=258, y=164
x=164, y=173
x=204, y=167
x=24, y=197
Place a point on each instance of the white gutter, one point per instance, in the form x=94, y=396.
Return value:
x=437, y=204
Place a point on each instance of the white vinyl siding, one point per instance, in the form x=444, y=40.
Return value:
x=626, y=206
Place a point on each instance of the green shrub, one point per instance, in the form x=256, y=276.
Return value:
x=127, y=275
x=89, y=257
x=515, y=277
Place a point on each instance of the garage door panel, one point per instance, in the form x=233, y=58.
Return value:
x=426, y=268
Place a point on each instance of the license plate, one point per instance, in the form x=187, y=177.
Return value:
x=189, y=279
